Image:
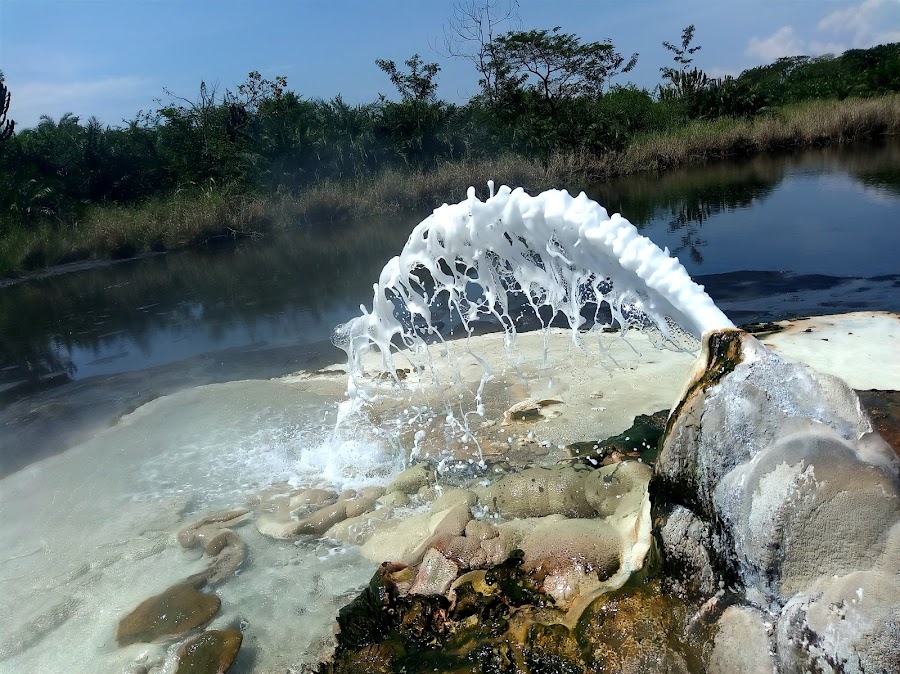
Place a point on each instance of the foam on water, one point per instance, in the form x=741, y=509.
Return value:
x=561, y=255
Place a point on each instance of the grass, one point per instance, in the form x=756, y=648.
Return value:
x=814, y=123
x=186, y=219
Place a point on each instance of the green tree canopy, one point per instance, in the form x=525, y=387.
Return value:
x=556, y=66
x=416, y=85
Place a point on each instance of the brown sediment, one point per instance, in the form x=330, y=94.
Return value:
x=499, y=620
x=883, y=408
x=723, y=352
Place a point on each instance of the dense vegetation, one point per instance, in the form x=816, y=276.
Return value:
x=550, y=110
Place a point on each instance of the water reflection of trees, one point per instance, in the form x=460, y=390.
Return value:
x=43, y=321
x=685, y=200
x=879, y=168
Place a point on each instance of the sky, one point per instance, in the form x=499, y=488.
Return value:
x=113, y=58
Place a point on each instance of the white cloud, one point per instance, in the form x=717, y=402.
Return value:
x=869, y=23
x=860, y=25
x=784, y=42
x=32, y=99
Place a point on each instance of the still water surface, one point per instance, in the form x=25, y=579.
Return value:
x=771, y=237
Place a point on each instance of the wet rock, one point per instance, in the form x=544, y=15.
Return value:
x=412, y=479
x=848, y=623
x=499, y=547
x=465, y=552
x=178, y=610
x=427, y=494
x=358, y=506
x=482, y=545
x=394, y=499
x=537, y=492
x=742, y=644
x=357, y=530
x=794, y=496
x=200, y=532
x=282, y=528
x=640, y=630
x=453, y=497
x=372, y=492
x=283, y=525
x=530, y=410
x=617, y=490
x=222, y=544
x=500, y=621
x=211, y=652
x=312, y=497
x=481, y=531
x=277, y=491
x=229, y=553
x=686, y=539
x=436, y=573
x=407, y=540
x=810, y=508
x=570, y=558
x=883, y=408
x=551, y=648
x=642, y=440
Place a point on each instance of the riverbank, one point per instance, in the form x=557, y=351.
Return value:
x=211, y=215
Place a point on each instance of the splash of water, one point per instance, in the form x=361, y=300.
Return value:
x=556, y=251
x=554, y=254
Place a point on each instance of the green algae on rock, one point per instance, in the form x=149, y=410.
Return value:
x=642, y=440
x=499, y=621
x=176, y=611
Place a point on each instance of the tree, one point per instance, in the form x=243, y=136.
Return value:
x=684, y=82
x=470, y=34
x=556, y=66
x=7, y=126
x=416, y=85
x=258, y=89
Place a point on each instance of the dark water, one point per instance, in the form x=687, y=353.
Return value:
x=771, y=237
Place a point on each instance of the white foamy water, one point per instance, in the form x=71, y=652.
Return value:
x=558, y=252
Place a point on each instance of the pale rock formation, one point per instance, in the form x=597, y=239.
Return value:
x=538, y=492
x=793, y=498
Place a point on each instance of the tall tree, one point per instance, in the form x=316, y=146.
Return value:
x=418, y=84
x=682, y=54
x=684, y=82
x=557, y=66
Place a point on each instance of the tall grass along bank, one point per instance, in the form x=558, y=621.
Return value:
x=206, y=215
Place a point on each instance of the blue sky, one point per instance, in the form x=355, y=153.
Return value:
x=111, y=58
